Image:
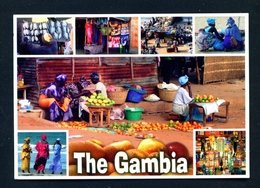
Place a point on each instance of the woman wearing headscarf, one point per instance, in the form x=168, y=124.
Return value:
x=74, y=91
x=233, y=39
x=100, y=87
x=214, y=39
x=26, y=155
x=43, y=154
x=183, y=98
x=56, y=163
x=54, y=99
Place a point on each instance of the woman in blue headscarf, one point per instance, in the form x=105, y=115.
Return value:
x=233, y=39
x=53, y=98
x=214, y=39
x=183, y=98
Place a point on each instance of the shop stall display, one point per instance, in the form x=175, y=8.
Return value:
x=32, y=30
x=220, y=152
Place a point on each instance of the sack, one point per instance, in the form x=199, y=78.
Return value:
x=233, y=42
x=117, y=113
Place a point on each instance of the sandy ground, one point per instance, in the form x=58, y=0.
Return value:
x=47, y=173
x=232, y=91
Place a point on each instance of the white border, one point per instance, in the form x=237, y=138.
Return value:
x=193, y=15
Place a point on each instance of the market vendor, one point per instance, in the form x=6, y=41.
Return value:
x=54, y=99
x=74, y=91
x=183, y=98
x=99, y=86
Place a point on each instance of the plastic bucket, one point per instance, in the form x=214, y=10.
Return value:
x=133, y=113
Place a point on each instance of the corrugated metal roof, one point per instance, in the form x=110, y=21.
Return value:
x=118, y=71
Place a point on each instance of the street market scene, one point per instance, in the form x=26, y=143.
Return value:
x=166, y=35
x=126, y=104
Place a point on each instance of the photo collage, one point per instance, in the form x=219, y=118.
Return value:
x=143, y=96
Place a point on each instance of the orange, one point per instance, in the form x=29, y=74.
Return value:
x=112, y=148
x=96, y=150
x=150, y=145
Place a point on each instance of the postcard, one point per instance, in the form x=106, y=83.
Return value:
x=138, y=96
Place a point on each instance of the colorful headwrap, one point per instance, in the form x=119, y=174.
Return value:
x=230, y=22
x=94, y=75
x=83, y=81
x=211, y=20
x=61, y=78
x=44, y=137
x=183, y=80
x=27, y=139
x=58, y=139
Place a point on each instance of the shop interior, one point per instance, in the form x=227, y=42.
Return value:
x=220, y=153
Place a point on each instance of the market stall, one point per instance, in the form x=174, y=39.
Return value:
x=114, y=35
x=31, y=31
x=220, y=152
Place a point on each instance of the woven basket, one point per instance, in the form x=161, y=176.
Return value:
x=166, y=95
x=119, y=96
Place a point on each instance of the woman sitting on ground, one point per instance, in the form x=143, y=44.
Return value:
x=53, y=98
x=233, y=39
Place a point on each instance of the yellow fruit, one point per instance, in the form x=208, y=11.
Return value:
x=150, y=145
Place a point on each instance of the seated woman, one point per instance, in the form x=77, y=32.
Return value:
x=214, y=39
x=74, y=91
x=99, y=88
x=183, y=98
x=233, y=39
x=53, y=98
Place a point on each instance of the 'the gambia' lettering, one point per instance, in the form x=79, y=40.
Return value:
x=123, y=164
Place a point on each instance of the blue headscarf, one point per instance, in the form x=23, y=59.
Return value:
x=183, y=80
x=211, y=20
x=61, y=78
x=230, y=22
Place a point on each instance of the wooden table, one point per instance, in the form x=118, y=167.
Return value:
x=99, y=114
x=202, y=106
x=24, y=88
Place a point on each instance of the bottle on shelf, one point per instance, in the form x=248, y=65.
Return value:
x=20, y=80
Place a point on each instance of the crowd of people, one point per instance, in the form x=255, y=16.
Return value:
x=64, y=101
x=43, y=154
x=227, y=40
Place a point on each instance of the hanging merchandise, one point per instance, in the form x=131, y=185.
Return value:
x=88, y=29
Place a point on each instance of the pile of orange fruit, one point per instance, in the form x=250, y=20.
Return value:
x=187, y=126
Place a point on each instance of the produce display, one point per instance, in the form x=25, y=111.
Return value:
x=111, y=154
x=98, y=100
x=185, y=126
x=204, y=98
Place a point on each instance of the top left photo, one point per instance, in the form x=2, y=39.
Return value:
x=45, y=36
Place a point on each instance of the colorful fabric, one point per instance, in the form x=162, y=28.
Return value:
x=201, y=41
x=230, y=22
x=56, y=162
x=183, y=80
x=25, y=156
x=43, y=154
x=211, y=21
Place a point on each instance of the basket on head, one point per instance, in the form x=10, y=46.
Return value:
x=119, y=95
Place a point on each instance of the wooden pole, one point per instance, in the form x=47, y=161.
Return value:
x=197, y=71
